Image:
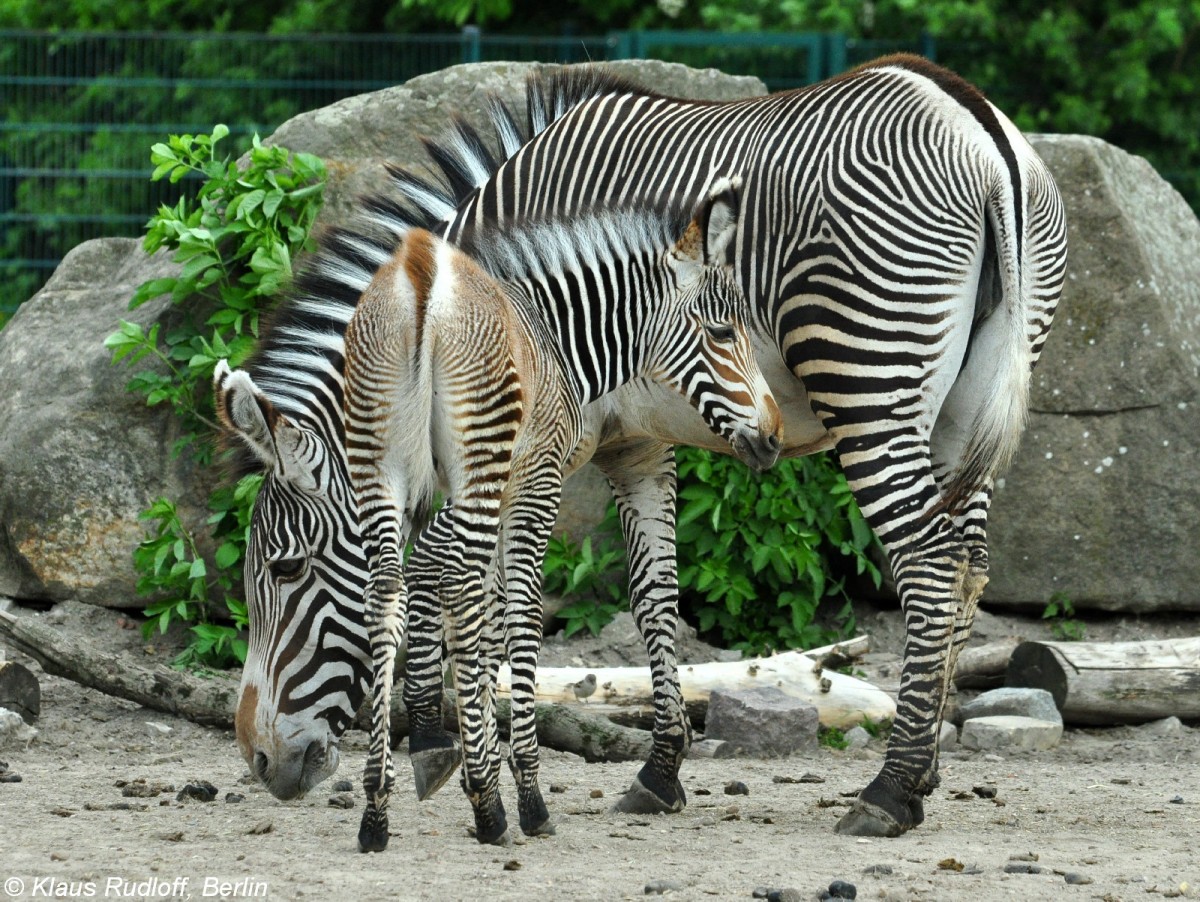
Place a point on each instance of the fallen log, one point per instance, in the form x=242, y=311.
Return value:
x=984, y=666
x=1101, y=683
x=206, y=701
x=624, y=693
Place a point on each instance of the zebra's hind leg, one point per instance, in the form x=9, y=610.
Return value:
x=385, y=605
x=528, y=522
x=462, y=591
x=643, y=483
x=435, y=753
x=892, y=479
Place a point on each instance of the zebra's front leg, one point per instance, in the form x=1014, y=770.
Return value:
x=385, y=611
x=435, y=754
x=643, y=483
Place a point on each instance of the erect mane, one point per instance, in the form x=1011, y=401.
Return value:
x=299, y=359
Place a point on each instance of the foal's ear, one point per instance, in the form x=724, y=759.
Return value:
x=717, y=216
x=289, y=450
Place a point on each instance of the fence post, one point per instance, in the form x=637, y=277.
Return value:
x=835, y=55
x=471, y=52
x=928, y=46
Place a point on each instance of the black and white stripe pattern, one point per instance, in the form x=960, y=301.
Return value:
x=902, y=247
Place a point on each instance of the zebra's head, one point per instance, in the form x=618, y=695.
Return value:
x=711, y=362
x=308, y=656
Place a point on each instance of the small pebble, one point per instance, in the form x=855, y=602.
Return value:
x=558, y=787
x=343, y=786
x=55, y=856
x=1077, y=879
x=341, y=800
x=736, y=788
x=10, y=777
x=840, y=889
x=760, y=892
x=1178, y=800
x=234, y=797
x=512, y=865
x=201, y=791
x=597, y=793
x=1022, y=868
x=260, y=828
x=658, y=887
x=787, y=894
x=984, y=792
x=1023, y=856
x=878, y=870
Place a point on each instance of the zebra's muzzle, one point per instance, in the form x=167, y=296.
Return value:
x=757, y=450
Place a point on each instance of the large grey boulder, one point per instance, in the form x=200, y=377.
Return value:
x=80, y=457
x=1102, y=500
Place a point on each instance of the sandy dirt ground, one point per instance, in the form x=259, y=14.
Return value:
x=1116, y=809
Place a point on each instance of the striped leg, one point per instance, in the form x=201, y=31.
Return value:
x=892, y=479
x=643, y=483
x=528, y=523
x=464, y=602
x=434, y=753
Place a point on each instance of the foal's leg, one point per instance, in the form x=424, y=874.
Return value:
x=642, y=477
x=528, y=522
x=433, y=752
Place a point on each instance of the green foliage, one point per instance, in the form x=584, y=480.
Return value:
x=758, y=554
x=595, y=578
x=832, y=738
x=173, y=570
x=235, y=241
x=1060, y=612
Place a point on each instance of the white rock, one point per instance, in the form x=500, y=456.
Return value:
x=13, y=728
x=947, y=736
x=1010, y=733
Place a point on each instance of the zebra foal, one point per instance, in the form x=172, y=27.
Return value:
x=452, y=377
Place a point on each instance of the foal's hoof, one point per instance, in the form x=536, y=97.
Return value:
x=373, y=832
x=865, y=819
x=640, y=800
x=433, y=767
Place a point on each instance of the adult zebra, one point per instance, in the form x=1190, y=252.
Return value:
x=903, y=248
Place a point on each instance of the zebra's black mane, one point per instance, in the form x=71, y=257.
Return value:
x=298, y=362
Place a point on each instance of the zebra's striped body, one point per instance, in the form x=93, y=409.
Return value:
x=454, y=378
x=903, y=250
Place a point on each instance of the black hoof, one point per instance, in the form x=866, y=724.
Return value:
x=535, y=818
x=492, y=830
x=868, y=820
x=639, y=799
x=916, y=811
x=432, y=768
x=373, y=831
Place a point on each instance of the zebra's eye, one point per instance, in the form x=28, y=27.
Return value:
x=286, y=569
x=720, y=332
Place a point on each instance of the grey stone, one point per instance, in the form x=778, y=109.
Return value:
x=947, y=736
x=80, y=457
x=1113, y=443
x=763, y=722
x=712, y=748
x=1010, y=733
x=1035, y=703
x=857, y=738
x=13, y=729
x=1165, y=728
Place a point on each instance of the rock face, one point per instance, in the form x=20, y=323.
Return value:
x=80, y=457
x=1101, y=501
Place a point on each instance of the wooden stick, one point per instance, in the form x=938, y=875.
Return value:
x=1103, y=683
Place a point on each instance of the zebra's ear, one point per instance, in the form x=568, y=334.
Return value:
x=717, y=216
x=275, y=440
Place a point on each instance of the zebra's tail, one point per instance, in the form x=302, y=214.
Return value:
x=1000, y=355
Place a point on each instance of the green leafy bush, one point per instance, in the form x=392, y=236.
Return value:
x=760, y=554
x=761, y=558
x=235, y=241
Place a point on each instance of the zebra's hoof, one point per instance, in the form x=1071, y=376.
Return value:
x=534, y=816
x=869, y=820
x=495, y=834
x=640, y=800
x=432, y=768
x=372, y=832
